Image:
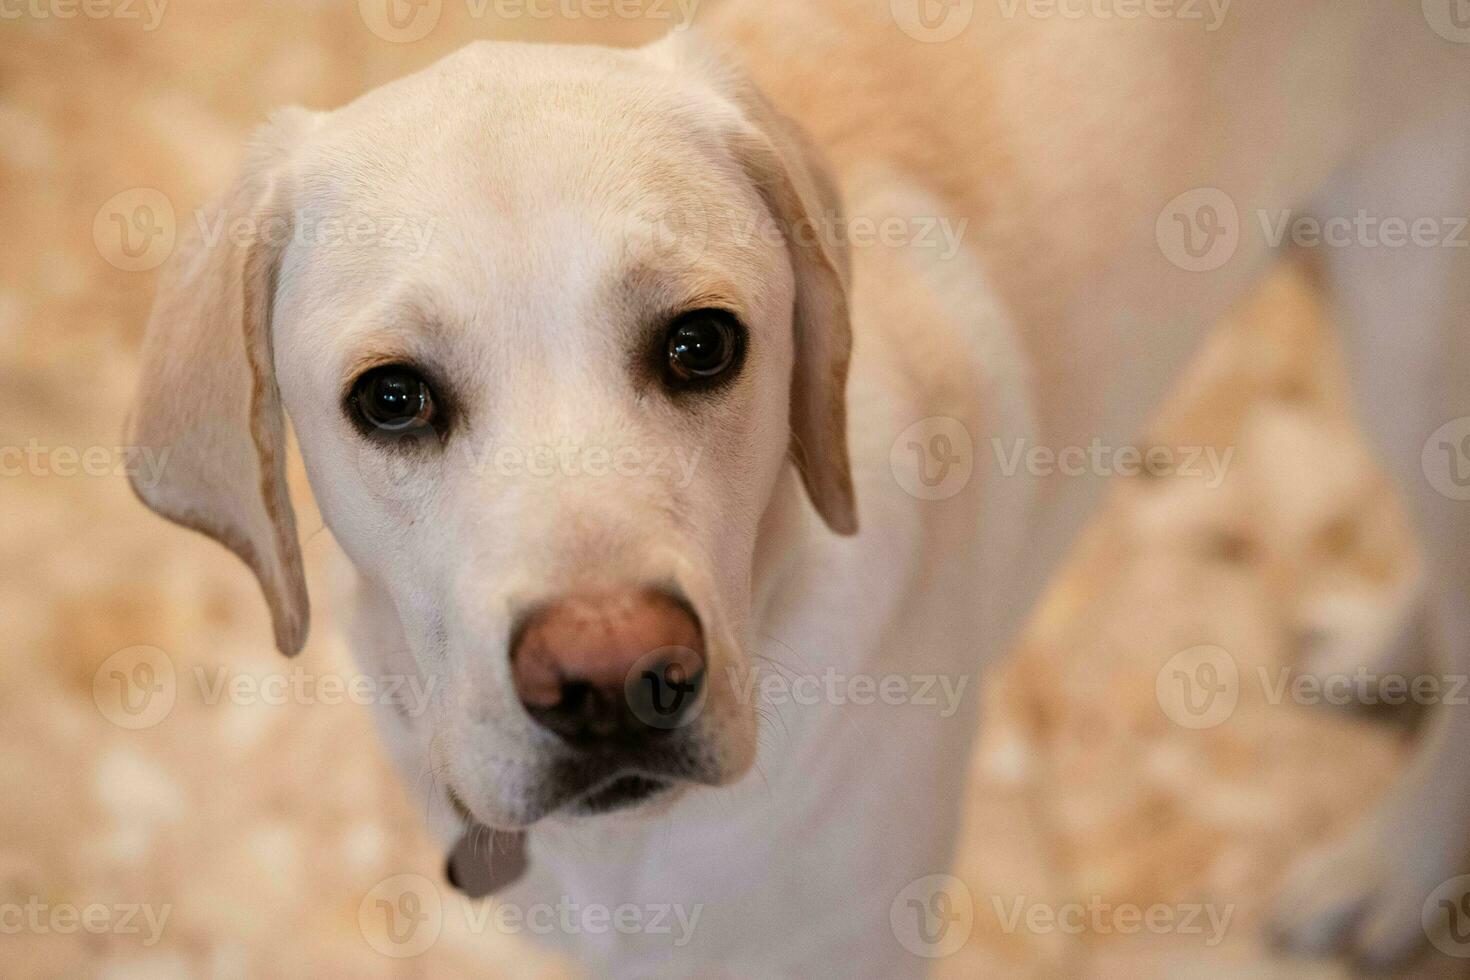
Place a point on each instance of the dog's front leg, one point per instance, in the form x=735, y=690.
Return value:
x=1405, y=315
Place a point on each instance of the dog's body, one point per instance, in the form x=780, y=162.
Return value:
x=1058, y=144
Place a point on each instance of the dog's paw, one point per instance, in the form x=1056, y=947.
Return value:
x=1349, y=899
x=1356, y=650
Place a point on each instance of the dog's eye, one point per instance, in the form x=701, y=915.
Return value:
x=702, y=346
x=393, y=399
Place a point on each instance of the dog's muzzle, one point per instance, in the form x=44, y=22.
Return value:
x=613, y=676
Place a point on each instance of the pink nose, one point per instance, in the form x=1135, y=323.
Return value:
x=609, y=665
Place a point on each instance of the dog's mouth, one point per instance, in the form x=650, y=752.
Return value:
x=601, y=780
x=619, y=792
x=486, y=861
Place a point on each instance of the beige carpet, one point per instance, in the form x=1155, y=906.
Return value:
x=259, y=830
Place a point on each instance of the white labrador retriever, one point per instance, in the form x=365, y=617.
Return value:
x=565, y=441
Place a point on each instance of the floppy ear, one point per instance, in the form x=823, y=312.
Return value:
x=797, y=187
x=207, y=405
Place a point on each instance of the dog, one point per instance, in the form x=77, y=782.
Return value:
x=643, y=423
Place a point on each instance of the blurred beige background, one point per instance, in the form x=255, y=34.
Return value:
x=259, y=829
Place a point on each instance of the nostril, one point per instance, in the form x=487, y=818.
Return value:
x=577, y=697
x=583, y=712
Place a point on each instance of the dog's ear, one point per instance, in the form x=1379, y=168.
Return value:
x=794, y=181
x=208, y=407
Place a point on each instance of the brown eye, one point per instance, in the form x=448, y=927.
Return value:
x=702, y=346
x=393, y=399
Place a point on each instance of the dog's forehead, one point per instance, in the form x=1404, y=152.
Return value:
x=506, y=160
x=497, y=124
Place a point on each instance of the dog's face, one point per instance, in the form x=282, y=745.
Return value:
x=548, y=322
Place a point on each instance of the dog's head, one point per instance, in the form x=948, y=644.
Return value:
x=548, y=322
